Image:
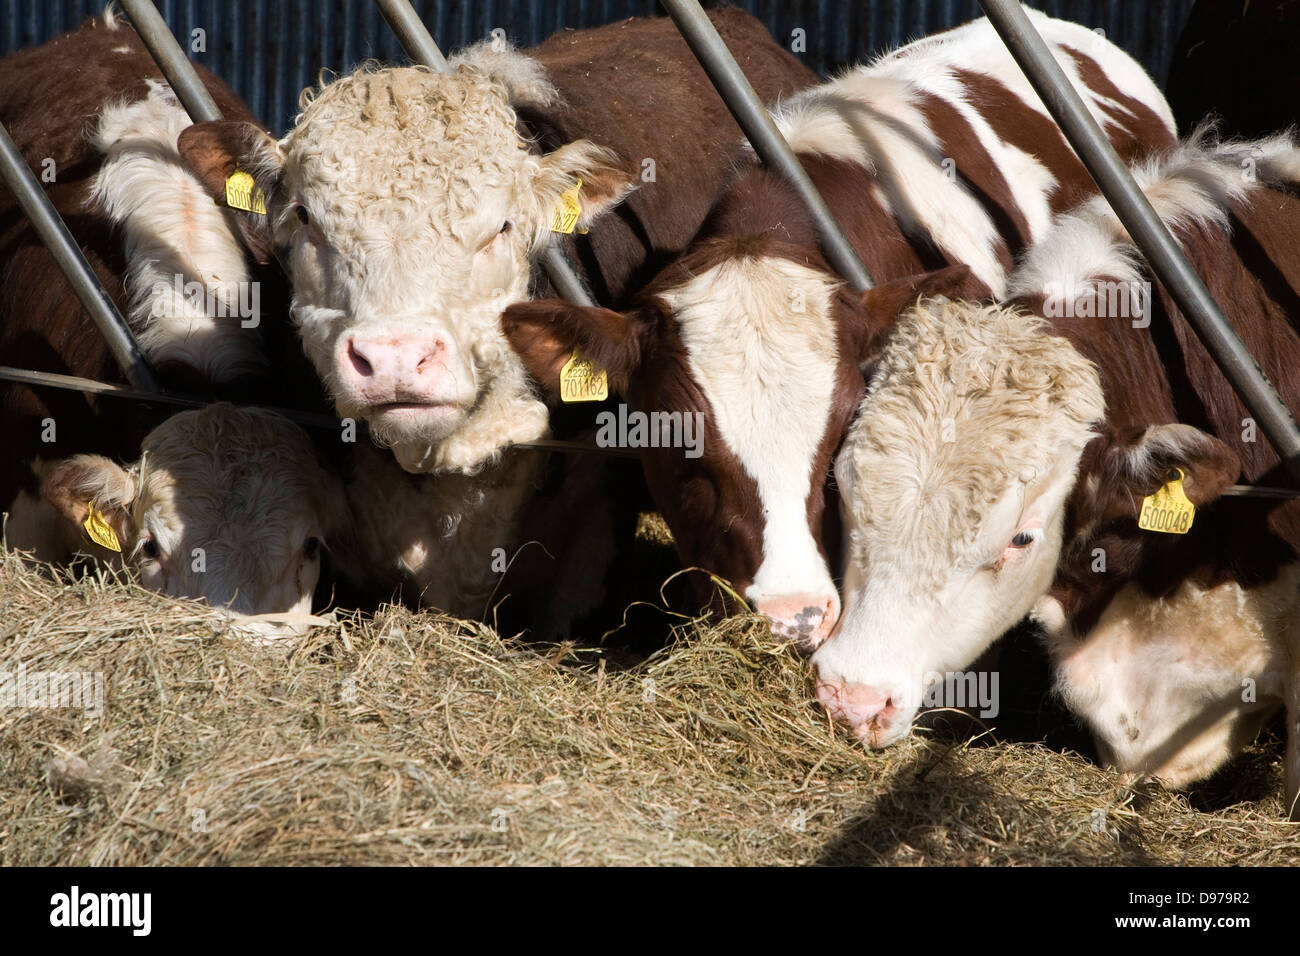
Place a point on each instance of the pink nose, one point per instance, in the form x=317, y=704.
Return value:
x=380, y=369
x=806, y=619
x=870, y=711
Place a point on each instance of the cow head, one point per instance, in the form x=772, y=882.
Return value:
x=953, y=481
x=407, y=210
x=763, y=353
x=224, y=504
x=971, y=480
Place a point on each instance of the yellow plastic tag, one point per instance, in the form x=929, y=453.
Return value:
x=242, y=193
x=567, y=211
x=580, y=382
x=99, y=530
x=1168, y=510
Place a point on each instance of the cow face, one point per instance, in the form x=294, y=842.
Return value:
x=225, y=504
x=407, y=210
x=954, y=481
x=763, y=353
x=1150, y=654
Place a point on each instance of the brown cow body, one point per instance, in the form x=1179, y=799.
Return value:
x=935, y=157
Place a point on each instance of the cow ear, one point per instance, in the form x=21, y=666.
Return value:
x=605, y=183
x=74, y=484
x=216, y=150
x=872, y=315
x=546, y=332
x=1133, y=463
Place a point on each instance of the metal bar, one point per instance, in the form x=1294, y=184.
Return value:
x=421, y=48
x=412, y=34
x=1149, y=233
x=49, y=226
x=73, y=383
x=702, y=37
x=171, y=59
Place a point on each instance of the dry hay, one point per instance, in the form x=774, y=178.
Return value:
x=415, y=738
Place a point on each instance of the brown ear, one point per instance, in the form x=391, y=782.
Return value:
x=546, y=332
x=72, y=484
x=1133, y=462
x=873, y=315
x=215, y=150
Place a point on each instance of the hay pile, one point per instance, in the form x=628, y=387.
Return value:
x=415, y=738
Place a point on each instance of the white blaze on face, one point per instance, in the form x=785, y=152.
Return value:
x=953, y=481
x=761, y=343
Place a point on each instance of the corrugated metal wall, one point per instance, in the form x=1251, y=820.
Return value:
x=270, y=49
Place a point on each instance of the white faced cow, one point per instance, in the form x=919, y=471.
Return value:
x=938, y=154
x=1002, y=459
x=409, y=205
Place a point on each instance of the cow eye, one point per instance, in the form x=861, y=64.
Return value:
x=311, y=548
x=1024, y=539
x=505, y=227
x=301, y=212
x=149, y=548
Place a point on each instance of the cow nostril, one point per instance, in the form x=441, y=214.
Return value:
x=359, y=362
x=431, y=355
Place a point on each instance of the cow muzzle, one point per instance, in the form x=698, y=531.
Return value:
x=805, y=619
x=873, y=713
x=410, y=383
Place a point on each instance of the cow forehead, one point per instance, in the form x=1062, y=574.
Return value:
x=760, y=342
x=966, y=418
x=241, y=480
x=405, y=133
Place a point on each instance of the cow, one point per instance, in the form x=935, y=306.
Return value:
x=225, y=504
x=942, y=165
x=1007, y=458
x=93, y=118
x=411, y=205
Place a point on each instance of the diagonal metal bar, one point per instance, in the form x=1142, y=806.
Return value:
x=421, y=48
x=1162, y=252
x=751, y=115
x=171, y=59
x=53, y=232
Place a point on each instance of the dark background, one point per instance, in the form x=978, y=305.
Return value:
x=270, y=49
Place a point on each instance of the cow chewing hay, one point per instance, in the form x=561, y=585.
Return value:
x=418, y=738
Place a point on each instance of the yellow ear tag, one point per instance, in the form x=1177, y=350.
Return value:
x=567, y=211
x=580, y=382
x=99, y=530
x=1168, y=510
x=242, y=193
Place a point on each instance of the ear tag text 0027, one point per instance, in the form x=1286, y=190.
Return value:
x=242, y=193
x=99, y=530
x=1167, y=510
x=580, y=382
x=565, y=216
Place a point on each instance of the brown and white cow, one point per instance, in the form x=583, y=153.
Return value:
x=936, y=155
x=1003, y=455
x=410, y=206
x=96, y=124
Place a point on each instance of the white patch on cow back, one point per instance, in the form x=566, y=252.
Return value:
x=870, y=116
x=1160, y=681
x=172, y=228
x=769, y=375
